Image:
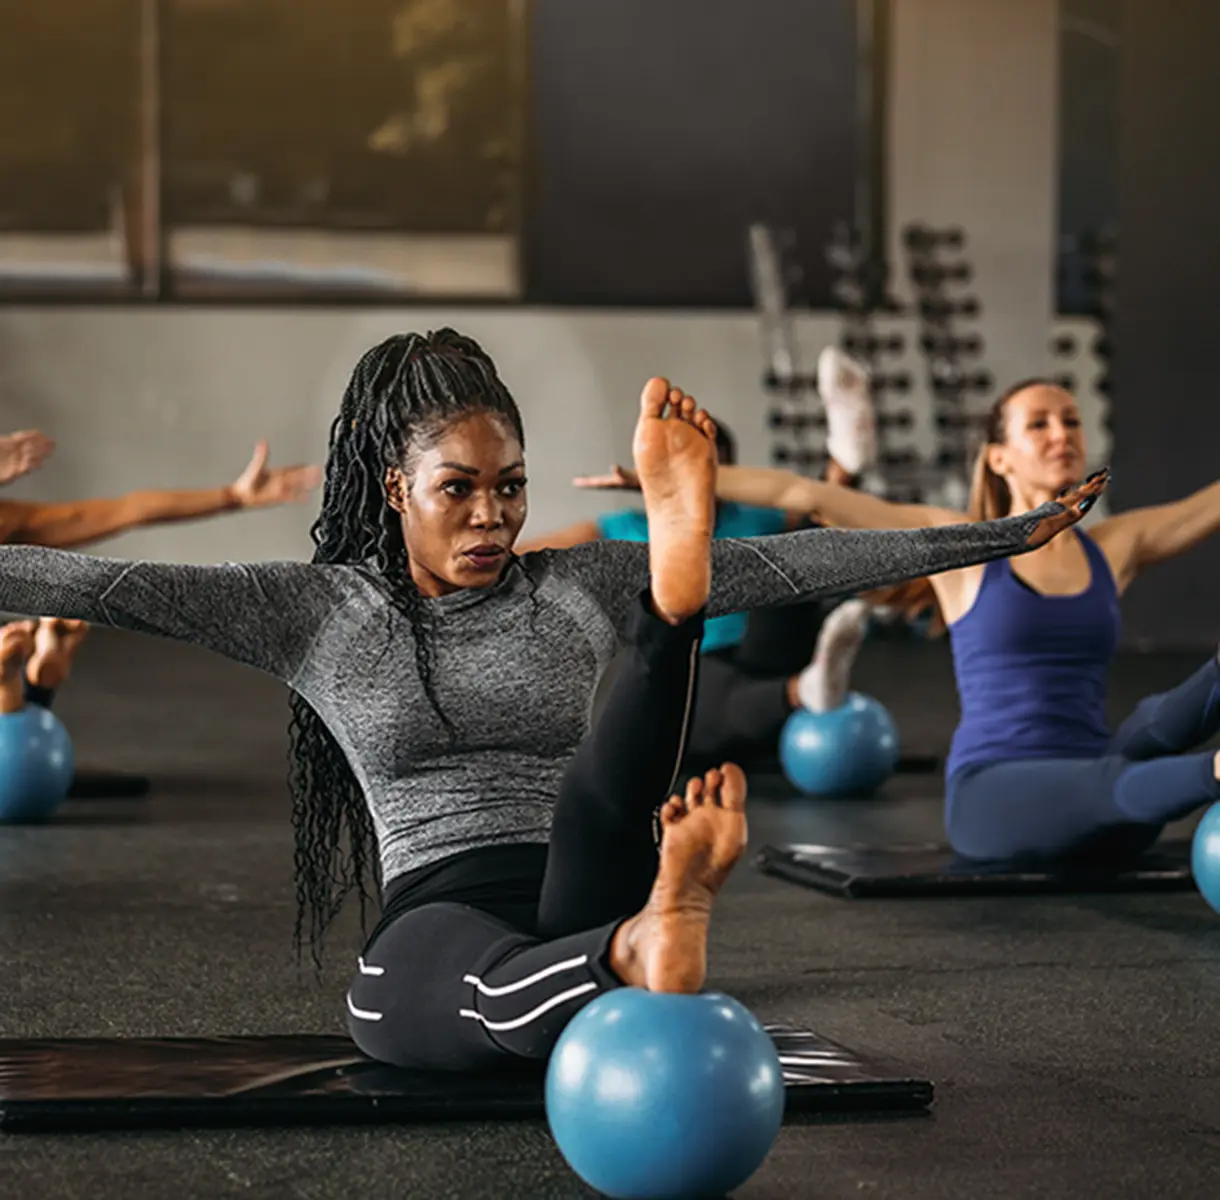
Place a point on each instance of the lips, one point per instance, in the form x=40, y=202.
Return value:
x=485, y=556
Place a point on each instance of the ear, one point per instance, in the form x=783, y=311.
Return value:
x=997, y=460
x=396, y=489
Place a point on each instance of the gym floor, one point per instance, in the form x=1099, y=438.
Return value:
x=1070, y=1039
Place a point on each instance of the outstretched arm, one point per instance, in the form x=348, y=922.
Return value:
x=1143, y=537
x=824, y=502
x=81, y=522
x=264, y=615
x=766, y=572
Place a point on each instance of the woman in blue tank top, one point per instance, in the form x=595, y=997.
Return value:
x=1034, y=770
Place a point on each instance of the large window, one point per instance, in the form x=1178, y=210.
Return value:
x=599, y=152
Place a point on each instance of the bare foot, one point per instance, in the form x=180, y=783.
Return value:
x=55, y=645
x=664, y=947
x=675, y=455
x=16, y=645
x=1076, y=502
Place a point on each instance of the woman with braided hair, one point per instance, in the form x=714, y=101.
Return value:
x=440, y=737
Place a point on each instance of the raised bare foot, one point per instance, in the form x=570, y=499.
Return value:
x=16, y=645
x=703, y=834
x=55, y=644
x=1076, y=502
x=675, y=455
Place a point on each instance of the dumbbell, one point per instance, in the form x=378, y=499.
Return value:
x=802, y=459
x=932, y=275
x=947, y=421
x=953, y=383
x=924, y=237
x=951, y=345
x=869, y=344
x=903, y=419
x=897, y=459
x=936, y=308
x=772, y=381
x=1103, y=346
x=1066, y=381
x=948, y=458
x=1064, y=344
x=900, y=382
x=797, y=422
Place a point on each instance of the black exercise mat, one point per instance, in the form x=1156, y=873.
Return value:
x=108, y=785
x=861, y=872
x=95, y=1083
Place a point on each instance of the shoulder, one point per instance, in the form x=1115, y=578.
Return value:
x=627, y=524
x=748, y=520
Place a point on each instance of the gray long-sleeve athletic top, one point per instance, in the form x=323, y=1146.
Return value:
x=516, y=664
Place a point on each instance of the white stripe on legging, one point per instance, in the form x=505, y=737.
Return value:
x=533, y=1014
x=545, y=973
x=365, y=970
x=363, y=1013
x=690, y=695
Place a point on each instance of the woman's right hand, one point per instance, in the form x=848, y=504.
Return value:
x=617, y=479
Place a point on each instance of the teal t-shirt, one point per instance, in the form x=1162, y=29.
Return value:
x=732, y=521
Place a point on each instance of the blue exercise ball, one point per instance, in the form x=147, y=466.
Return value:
x=653, y=1094
x=1205, y=857
x=849, y=750
x=36, y=765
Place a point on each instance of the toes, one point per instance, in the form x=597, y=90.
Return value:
x=653, y=397
x=687, y=410
x=694, y=794
x=673, y=810
x=733, y=788
x=706, y=425
x=711, y=786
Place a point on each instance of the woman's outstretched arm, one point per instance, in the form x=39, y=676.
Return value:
x=784, y=568
x=78, y=523
x=264, y=615
x=1143, y=537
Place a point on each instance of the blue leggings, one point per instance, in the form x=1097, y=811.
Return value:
x=1110, y=806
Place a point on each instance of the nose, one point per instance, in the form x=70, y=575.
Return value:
x=487, y=513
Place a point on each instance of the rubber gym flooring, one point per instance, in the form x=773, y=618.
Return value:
x=1071, y=1039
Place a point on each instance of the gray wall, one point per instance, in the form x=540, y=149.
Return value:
x=1166, y=424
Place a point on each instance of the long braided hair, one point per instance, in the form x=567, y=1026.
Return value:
x=402, y=396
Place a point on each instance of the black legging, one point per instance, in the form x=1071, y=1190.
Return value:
x=41, y=696
x=486, y=963
x=743, y=690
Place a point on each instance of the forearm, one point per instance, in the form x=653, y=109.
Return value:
x=51, y=583
x=79, y=523
x=785, y=568
x=827, y=503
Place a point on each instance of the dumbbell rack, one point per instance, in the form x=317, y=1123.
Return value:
x=791, y=418
x=937, y=269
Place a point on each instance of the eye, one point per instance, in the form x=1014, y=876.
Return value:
x=513, y=488
x=456, y=487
